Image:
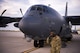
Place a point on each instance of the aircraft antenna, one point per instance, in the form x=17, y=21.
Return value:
x=49, y=4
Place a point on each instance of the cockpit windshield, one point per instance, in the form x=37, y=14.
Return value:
x=39, y=8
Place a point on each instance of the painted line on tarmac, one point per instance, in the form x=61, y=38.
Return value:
x=30, y=50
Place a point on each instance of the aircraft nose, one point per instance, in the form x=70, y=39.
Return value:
x=30, y=25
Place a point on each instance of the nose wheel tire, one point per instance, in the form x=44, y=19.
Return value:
x=38, y=43
x=35, y=43
x=41, y=43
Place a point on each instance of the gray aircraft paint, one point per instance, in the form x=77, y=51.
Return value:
x=37, y=23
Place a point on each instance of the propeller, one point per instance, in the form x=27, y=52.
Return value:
x=21, y=11
x=3, y=12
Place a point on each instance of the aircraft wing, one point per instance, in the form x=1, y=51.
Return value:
x=75, y=20
x=5, y=20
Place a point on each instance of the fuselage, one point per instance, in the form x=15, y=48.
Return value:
x=39, y=20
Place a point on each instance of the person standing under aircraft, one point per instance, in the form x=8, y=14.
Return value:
x=55, y=42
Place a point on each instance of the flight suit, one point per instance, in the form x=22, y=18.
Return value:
x=55, y=43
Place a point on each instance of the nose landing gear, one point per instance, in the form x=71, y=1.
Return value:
x=38, y=43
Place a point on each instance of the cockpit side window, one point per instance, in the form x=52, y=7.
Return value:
x=33, y=8
x=45, y=9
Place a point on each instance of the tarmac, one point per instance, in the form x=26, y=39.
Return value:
x=14, y=42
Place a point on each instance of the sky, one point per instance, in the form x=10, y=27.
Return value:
x=13, y=6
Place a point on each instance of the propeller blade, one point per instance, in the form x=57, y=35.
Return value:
x=3, y=12
x=21, y=11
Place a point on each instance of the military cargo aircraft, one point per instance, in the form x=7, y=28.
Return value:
x=39, y=20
